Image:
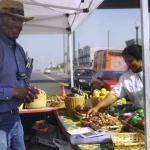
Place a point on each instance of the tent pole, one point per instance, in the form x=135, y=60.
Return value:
x=70, y=42
x=74, y=49
x=146, y=57
x=65, y=53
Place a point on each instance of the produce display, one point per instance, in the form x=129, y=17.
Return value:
x=81, y=112
x=49, y=98
x=121, y=101
x=73, y=102
x=55, y=101
x=101, y=120
x=39, y=102
x=137, y=119
x=77, y=106
x=100, y=95
x=78, y=92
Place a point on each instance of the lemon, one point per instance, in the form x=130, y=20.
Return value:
x=107, y=92
x=121, y=101
x=103, y=91
x=101, y=97
x=124, y=101
x=96, y=93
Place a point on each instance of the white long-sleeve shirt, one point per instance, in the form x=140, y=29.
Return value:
x=131, y=85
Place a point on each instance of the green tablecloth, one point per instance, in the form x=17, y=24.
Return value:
x=70, y=123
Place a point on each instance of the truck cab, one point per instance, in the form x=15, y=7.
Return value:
x=105, y=79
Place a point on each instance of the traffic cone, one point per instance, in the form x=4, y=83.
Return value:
x=62, y=91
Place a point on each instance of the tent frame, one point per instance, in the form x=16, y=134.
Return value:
x=70, y=43
x=53, y=6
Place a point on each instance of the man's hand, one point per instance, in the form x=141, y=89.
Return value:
x=92, y=111
x=107, y=101
x=28, y=94
x=32, y=94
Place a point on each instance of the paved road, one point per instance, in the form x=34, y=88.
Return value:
x=50, y=83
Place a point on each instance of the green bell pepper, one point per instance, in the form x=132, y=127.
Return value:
x=140, y=112
x=134, y=119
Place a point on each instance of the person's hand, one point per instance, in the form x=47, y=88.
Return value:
x=92, y=111
x=28, y=93
x=31, y=94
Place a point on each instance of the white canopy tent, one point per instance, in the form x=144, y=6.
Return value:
x=59, y=17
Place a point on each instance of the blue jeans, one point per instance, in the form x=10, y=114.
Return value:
x=11, y=136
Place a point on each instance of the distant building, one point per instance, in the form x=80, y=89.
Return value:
x=133, y=41
x=86, y=56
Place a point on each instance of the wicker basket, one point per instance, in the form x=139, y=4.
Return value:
x=79, y=115
x=115, y=128
x=73, y=102
x=128, y=141
x=130, y=127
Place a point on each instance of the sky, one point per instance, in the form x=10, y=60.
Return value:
x=120, y=23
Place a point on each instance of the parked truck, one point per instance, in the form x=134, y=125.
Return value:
x=109, y=65
x=110, y=60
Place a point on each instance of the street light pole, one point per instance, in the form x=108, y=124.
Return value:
x=137, y=28
x=136, y=34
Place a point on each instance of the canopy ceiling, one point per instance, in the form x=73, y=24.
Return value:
x=57, y=16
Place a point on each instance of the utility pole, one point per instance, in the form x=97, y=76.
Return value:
x=78, y=53
x=137, y=24
x=74, y=52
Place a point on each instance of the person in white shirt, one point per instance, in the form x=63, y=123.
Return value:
x=130, y=84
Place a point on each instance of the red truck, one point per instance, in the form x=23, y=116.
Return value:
x=109, y=65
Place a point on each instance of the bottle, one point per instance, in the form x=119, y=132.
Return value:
x=62, y=92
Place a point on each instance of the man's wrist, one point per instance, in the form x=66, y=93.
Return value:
x=15, y=92
x=98, y=107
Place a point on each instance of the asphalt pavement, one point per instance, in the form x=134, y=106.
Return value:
x=50, y=83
